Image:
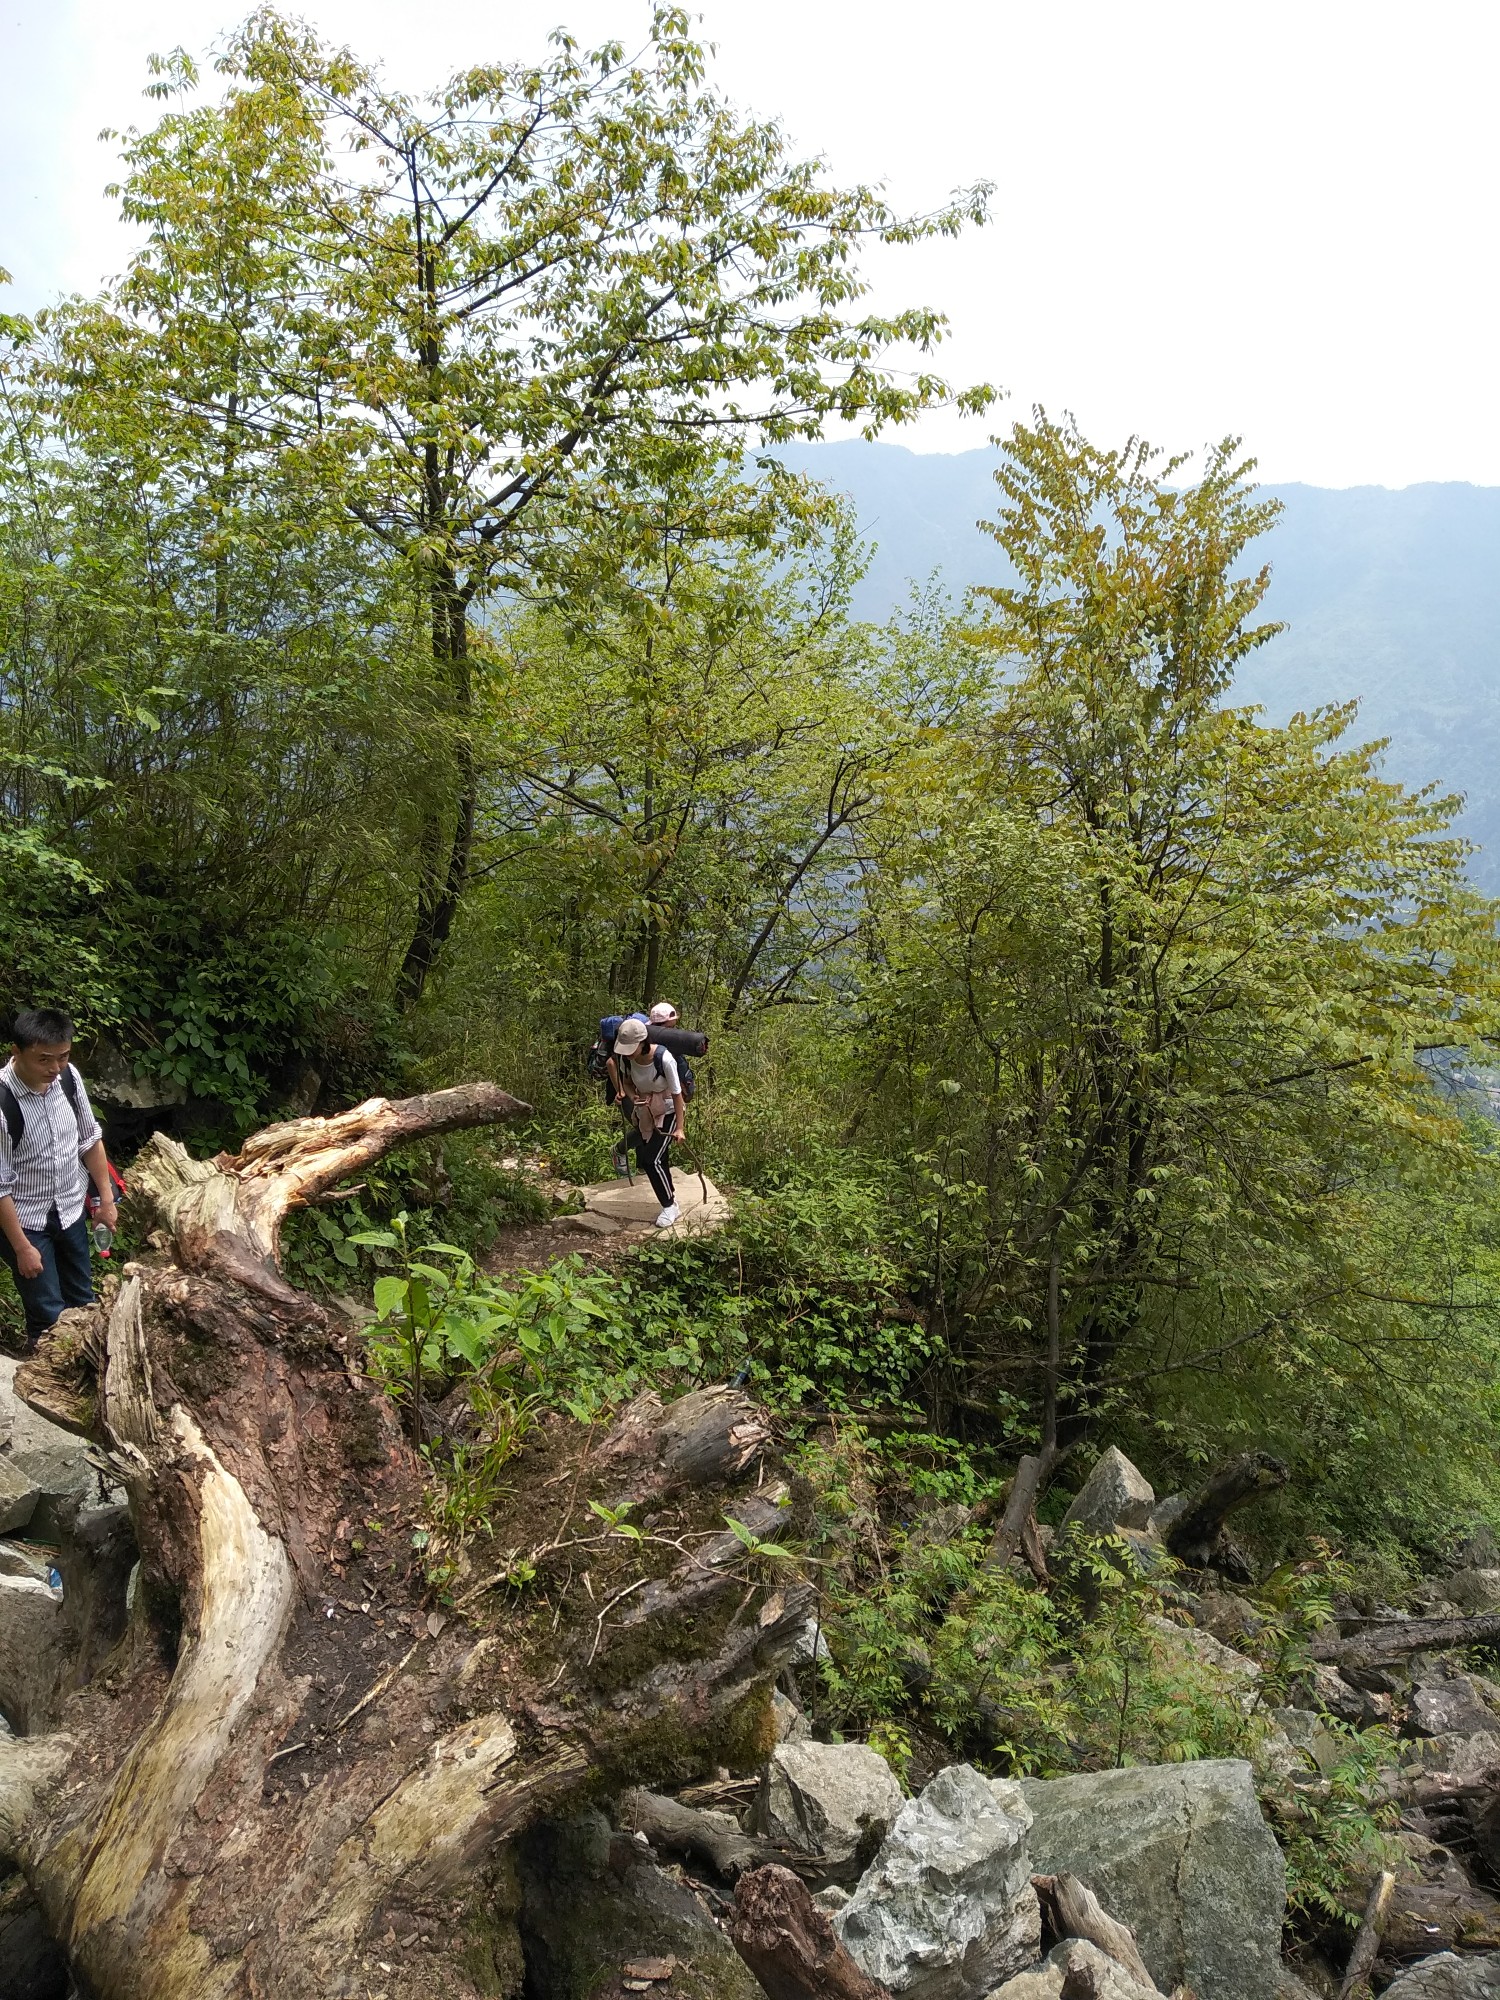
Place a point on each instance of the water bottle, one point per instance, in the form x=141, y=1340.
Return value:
x=103, y=1236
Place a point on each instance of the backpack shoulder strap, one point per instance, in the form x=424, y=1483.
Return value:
x=15, y=1121
x=69, y=1080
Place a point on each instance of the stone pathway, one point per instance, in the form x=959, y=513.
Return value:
x=618, y=1208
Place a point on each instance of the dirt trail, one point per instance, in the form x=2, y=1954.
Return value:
x=616, y=1217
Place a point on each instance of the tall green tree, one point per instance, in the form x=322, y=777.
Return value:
x=448, y=319
x=213, y=745
x=1160, y=979
x=689, y=739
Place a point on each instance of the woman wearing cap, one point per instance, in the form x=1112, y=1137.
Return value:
x=647, y=1079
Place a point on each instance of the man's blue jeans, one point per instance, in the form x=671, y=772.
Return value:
x=67, y=1276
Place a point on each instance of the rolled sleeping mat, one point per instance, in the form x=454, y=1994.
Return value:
x=689, y=1042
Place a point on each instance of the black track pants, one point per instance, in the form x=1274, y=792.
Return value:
x=653, y=1155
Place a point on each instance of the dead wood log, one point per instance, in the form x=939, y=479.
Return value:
x=1194, y=1536
x=1071, y=1909
x=711, y=1437
x=225, y=1215
x=684, y=1830
x=290, y=1755
x=701, y=1575
x=1451, y=1915
x=1016, y=1534
x=1378, y=1644
x=1356, y=1982
x=789, y=1944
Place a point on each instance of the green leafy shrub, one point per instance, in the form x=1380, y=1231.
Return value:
x=457, y=1191
x=1336, y=1832
x=922, y=1634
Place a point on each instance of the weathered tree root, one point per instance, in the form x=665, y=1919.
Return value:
x=1361, y=1966
x=1070, y=1909
x=1195, y=1535
x=289, y=1751
x=684, y=1830
x=789, y=1944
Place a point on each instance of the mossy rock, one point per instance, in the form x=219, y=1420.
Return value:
x=592, y=1900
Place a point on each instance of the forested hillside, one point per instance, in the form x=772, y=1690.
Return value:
x=428, y=624
x=1389, y=597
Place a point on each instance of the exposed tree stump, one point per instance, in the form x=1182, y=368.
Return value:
x=287, y=1772
x=1195, y=1535
x=1361, y=1966
x=1071, y=1909
x=789, y=1944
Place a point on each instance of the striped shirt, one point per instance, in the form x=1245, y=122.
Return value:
x=46, y=1170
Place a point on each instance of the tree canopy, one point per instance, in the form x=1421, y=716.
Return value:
x=411, y=648
x=450, y=323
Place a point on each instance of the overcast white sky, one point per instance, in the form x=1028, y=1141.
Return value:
x=1275, y=217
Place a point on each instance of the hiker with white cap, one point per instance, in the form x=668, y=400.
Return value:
x=646, y=1078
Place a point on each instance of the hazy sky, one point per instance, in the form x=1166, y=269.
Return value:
x=1275, y=217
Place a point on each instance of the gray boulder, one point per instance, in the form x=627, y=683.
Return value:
x=1186, y=1643
x=1230, y=1619
x=1472, y=1590
x=791, y=1724
x=1045, y=1981
x=1317, y=1746
x=34, y=1651
x=18, y=1561
x=946, y=1910
x=1460, y=1756
x=1114, y=1496
x=1450, y=1707
x=1167, y=1513
x=808, y=1645
x=1290, y=1987
x=41, y=1465
x=1449, y=1977
x=829, y=1799
x=1181, y=1853
x=1479, y=1549
x=1321, y=1687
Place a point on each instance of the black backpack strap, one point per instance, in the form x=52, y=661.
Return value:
x=15, y=1118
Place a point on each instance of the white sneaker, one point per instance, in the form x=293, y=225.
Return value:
x=668, y=1216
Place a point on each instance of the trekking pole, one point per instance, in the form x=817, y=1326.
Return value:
x=678, y=1140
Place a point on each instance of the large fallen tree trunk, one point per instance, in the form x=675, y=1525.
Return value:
x=1378, y=1645
x=290, y=1774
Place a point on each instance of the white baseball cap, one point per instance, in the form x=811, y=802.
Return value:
x=663, y=1013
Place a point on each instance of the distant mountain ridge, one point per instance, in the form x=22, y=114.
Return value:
x=1389, y=595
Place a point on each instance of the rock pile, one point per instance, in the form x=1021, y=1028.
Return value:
x=936, y=1897
x=946, y=1907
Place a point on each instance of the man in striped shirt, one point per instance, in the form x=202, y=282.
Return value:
x=46, y=1170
